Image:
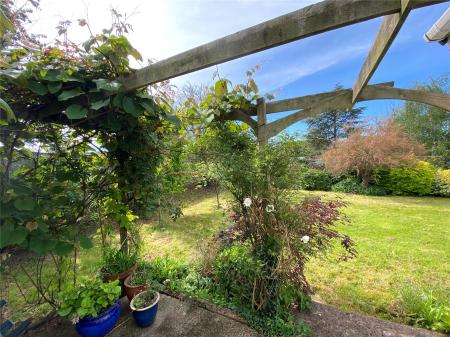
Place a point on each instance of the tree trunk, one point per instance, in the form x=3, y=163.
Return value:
x=217, y=190
x=123, y=239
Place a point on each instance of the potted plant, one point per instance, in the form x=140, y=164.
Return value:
x=118, y=265
x=144, y=307
x=92, y=306
x=138, y=281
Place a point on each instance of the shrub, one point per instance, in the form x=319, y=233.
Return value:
x=441, y=185
x=164, y=268
x=424, y=309
x=89, y=299
x=316, y=180
x=416, y=180
x=348, y=185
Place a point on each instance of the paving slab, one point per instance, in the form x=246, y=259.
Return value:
x=177, y=318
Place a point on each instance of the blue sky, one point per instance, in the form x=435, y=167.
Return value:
x=316, y=64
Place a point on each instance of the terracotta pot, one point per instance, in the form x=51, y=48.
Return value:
x=121, y=277
x=132, y=291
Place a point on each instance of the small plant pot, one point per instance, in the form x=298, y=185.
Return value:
x=101, y=325
x=132, y=291
x=107, y=277
x=145, y=317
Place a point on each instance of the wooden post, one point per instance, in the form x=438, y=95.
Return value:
x=262, y=121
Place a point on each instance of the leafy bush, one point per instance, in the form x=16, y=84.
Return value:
x=424, y=309
x=89, y=299
x=316, y=180
x=348, y=185
x=352, y=185
x=441, y=185
x=164, y=268
x=116, y=261
x=416, y=180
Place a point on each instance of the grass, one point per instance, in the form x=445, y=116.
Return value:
x=399, y=240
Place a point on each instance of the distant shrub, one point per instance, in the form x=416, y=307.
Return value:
x=424, y=309
x=441, y=185
x=348, y=185
x=416, y=180
x=316, y=180
x=353, y=185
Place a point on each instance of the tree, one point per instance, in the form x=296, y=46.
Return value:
x=329, y=126
x=385, y=145
x=428, y=124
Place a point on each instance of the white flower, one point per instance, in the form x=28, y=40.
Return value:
x=247, y=202
x=75, y=320
x=305, y=239
x=270, y=208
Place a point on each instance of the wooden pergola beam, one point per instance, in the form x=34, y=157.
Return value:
x=343, y=98
x=305, y=22
x=307, y=101
x=388, y=31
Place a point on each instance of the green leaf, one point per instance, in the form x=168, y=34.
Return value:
x=64, y=311
x=17, y=236
x=172, y=119
x=85, y=242
x=63, y=248
x=38, y=88
x=24, y=204
x=100, y=104
x=130, y=107
x=9, y=113
x=67, y=94
x=221, y=88
x=106, y=85
x=76, y=111
x=41, y=243
x=52, y=75
x=54, y=87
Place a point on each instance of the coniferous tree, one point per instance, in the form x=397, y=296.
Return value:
x=330, y=126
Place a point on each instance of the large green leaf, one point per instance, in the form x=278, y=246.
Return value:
x=221, y=87
x=131, y=107
x=85, y=242
x=9, y=113
x=67, y=94
x=100, y=104
x=41, y=243
x=76, y=111
x=63, y=248
x=24, y=203
x=12, y=236
x=54, y=87
x=38, y=88
x=172, y=119
x=106, y=85
x=52, y=75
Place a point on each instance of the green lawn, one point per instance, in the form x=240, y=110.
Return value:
x=399, y=239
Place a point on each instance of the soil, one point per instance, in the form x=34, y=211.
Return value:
x=328, y=321
x=144, y=300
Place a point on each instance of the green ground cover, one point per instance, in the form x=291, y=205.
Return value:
x=399, y=240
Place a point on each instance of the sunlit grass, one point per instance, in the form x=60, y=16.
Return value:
x=399, y=239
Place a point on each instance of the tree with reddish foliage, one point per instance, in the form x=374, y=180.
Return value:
x=385, y=145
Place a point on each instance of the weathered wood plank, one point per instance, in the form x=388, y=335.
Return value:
x=388, y=31
x=262, y=120
x=305, y=22
x=307, y=101
x=342, y=99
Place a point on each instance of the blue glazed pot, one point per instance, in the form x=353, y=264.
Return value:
x=102, y=324
x=146, y=316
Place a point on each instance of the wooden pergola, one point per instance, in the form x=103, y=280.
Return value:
x=315, y=19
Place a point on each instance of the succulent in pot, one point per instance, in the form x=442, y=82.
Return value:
x=92, y=306
x=145, y=307
x=138, y=281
